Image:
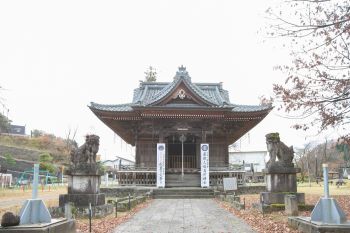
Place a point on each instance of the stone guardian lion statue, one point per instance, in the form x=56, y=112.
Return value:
x=86, y=153
x=279, y=150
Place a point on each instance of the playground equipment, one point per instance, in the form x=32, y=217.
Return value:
x=27, y=174
x=5, y=180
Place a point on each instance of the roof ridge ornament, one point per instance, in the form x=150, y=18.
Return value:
x=182, y=73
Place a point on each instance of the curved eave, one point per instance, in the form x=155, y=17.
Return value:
x=107, y=118
x=138, y=112
x=111, y=107
x=120, y=121
x=249, y=123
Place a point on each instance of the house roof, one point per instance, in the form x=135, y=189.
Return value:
x=117, y=159
x=149, y=94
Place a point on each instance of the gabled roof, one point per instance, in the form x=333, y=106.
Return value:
x=150, y=94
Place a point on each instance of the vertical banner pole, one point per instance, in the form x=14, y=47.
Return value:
x=160, y=165
x=204, y=165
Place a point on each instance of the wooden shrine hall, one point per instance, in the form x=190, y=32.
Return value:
x=181, y=117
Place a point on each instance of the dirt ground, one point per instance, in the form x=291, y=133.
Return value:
x=12, y=199
x=277, y=222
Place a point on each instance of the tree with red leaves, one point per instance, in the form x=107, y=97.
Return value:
x=317, y=84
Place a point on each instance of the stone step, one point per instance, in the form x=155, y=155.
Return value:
x=189, y=180
x=183, y=196
x=173, y=185
x=183, y=193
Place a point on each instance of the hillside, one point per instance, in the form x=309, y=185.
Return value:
x=27, y=150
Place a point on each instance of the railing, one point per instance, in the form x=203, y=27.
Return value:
x=175, y=161
x=144, y=178
x=148, y=178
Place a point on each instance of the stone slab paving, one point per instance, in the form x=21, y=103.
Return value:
x=184, y=215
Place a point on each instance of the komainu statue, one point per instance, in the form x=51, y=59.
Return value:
x=279, y=150
x=86, y=154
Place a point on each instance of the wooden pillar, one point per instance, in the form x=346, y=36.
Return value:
x=137, y=156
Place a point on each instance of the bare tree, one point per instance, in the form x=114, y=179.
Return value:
x=70, y=138
x=317, y=81
x=302, y=160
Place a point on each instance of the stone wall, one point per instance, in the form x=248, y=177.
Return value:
x=142, y=191
x=250, y=190
x=245, y=190
x=124, y=191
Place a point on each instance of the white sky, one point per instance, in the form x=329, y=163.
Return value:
x=57, y=56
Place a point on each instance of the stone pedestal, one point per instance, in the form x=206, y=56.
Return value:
x=269, y=198
x=83, y=186
x=82, y=199
x=280, y=181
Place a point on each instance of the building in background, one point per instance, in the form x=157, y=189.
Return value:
x=119, y=163
x=17, y=130
x=253, y=162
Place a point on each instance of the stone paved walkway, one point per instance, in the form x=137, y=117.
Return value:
x=184, y=215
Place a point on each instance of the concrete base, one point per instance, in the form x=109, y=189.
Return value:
x=34, y=211
x=305, y=225
x=268, y=198
x=56, y=226
x=82, y=199
x=279, y=207
x=328, y=211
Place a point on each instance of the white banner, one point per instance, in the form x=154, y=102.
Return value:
x=160, y=165
x=205, y=165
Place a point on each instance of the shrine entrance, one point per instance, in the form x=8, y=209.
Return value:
x=181, y=152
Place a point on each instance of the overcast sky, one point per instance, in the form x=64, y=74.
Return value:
x=58, y=56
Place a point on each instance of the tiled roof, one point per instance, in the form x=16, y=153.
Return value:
x=150, y=93
x=111, y=108
x=250, y=108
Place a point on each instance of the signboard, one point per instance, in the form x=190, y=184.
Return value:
x=204, y=165
x=160, y=165
x=230, y=183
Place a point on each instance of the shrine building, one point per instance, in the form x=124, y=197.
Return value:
x=180, y=115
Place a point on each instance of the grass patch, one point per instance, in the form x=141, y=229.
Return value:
x=317, y=189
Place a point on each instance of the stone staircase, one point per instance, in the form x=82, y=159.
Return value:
x=183, y=193
x=175, y=180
